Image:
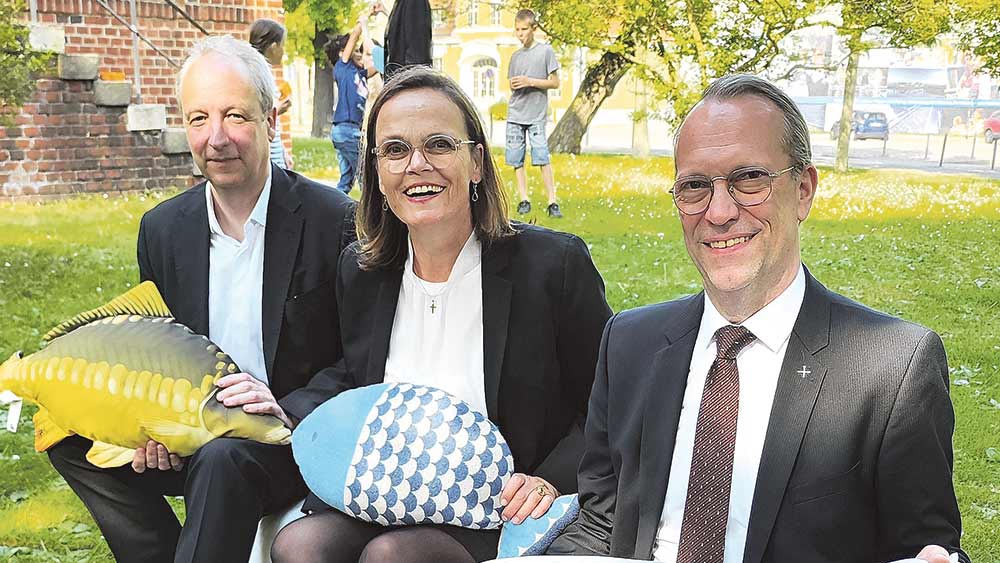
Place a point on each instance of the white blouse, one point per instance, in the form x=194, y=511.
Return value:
x=437, y=333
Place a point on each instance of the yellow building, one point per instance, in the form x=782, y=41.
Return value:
x=473, y=43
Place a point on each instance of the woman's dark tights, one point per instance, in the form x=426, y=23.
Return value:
x=333, y=537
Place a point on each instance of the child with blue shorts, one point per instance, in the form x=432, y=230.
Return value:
x=532, y=72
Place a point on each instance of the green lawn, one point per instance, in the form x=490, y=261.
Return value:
x=921, y=246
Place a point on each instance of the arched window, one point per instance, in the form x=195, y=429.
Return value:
x=484, y=74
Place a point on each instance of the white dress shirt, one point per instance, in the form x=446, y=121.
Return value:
x=759, y=366
x=437, y=333
x=236, y=284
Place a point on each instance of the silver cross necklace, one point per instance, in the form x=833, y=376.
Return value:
x=439, y=294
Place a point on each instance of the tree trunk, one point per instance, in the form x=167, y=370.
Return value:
x=322, y=89
x=640, y=121
x=598, y=84
x=847, y=111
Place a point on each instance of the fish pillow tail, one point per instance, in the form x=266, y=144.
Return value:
x=281, y=436
x=47, y=432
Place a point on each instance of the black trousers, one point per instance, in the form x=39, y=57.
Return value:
x=227, y=485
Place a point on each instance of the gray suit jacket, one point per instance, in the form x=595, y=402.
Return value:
x=857, y=460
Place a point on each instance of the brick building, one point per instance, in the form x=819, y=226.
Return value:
x=98, y=125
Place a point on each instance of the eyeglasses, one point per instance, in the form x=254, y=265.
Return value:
x=438, y=150
x=748, y=186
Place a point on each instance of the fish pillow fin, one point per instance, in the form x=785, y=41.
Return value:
x=181, y=439
x=108, y=455
x=143, y=299
x=47, y=432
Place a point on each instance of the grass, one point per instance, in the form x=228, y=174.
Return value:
x=921, y=246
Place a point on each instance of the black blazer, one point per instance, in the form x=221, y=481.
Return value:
x=857, y=459
x=543, y=311
x=307, y=226
x=408, y=36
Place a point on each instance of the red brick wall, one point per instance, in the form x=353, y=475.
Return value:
x=92, y=30
x=63, y=143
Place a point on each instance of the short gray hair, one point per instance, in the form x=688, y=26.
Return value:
x=257, y=67
x=794, y=139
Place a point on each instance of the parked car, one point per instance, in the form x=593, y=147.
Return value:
x=991, y=127
x=867, y=125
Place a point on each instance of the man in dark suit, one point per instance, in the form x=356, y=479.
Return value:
x=767, y=419
x=247, y=258
x=408, y=34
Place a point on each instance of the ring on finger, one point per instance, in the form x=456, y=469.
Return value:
x=543, y=490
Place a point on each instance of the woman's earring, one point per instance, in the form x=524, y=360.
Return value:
x=385, y=204
x=475, y=192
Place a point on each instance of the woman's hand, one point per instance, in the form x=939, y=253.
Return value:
x=526, y=495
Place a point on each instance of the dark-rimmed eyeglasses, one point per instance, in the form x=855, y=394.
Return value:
x=749, y=186
x=438, y=150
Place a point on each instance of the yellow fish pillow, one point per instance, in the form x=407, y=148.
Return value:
x=126, y=373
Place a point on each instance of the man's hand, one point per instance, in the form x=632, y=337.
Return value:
x=526, y=495
x=155, y=456
x=245, y=390
x=519, y=82
x=934, y=554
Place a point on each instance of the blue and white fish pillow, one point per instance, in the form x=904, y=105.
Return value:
x=533, y=536
x=399, y=454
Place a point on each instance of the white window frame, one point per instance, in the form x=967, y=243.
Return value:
x=439, y=16
x=473, y=12
x=496, y=13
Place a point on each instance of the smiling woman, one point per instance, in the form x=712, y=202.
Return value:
x=392, y=166
x=443, y=291
x=433, y=201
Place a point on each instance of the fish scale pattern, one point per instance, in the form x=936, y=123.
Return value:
x=534, y=535
x=423, y=456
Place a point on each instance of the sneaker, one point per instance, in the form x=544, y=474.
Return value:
x=553, y=210
x=524, y=207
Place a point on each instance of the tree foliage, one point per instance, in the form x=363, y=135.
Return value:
x=680, y=46
x=892, y=23
x=304, y=19
x=18, y=61
x=978, y=25
x=867, y=24
x=310, y=24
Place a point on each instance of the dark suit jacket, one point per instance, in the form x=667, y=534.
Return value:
x=543, y=311
x=857, y=459
x=308, y=224
x=408, y=36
